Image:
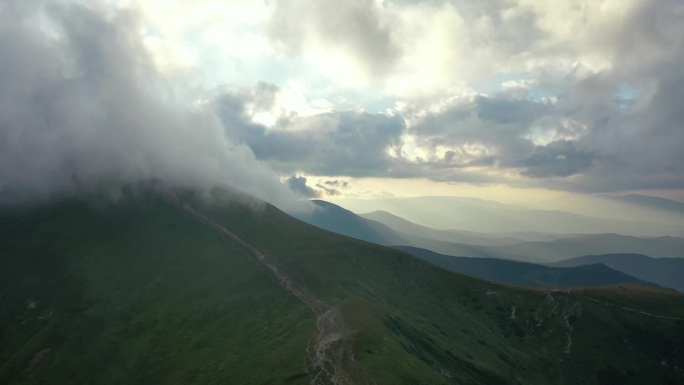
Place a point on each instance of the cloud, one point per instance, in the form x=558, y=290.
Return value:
x=82, y=107
x=559, y=158
x=512, y=91
x=352, y=143
x=298, y=185
x=336, y=183
x=354, y=32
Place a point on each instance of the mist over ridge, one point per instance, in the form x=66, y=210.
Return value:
x=83, y=109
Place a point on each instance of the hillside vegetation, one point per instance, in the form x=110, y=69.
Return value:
x=153, y=289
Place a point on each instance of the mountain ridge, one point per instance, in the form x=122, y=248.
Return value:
x=528, y=274
x=150, y=294
x=664, y=271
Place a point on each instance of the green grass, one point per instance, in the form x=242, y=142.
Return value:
x=136, y=292
x=140, y=294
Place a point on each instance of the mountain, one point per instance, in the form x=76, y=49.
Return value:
x=334, y=218
x=526, y=274
x=667, y=272
x=453, y=236
x=476, y=215
x=396, y=231
x=168, y=288
x=591, y=244
x=653, y=203
x=331, y=217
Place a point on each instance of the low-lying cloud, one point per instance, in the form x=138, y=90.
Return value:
x=82, y=108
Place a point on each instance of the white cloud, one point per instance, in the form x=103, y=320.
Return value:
x=86, y=110
x=483, y=91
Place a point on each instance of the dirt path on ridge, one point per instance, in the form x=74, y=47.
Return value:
x=330, y=351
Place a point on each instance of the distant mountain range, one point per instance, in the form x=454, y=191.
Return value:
x=653, y=202
x=476, y=215
x=452, y=236
x=589, y=244
x=668, y=272
x=390, y=230
x=527, y=274
x=334, y=218
x=387, y=229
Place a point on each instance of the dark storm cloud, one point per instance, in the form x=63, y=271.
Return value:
x=82, y=107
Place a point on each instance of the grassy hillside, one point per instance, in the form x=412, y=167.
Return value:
x=526, y=274
x=150, y=291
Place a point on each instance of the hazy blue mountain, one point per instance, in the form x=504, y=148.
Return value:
x=497, y=261
x=590, y=244
x=526, y=274
x=667, y=272
x=559, y=249
x=476, y=215
x=334, y=218
x=339, y=220
x=532, y=236
x=653, y=202
x=454, y=236
x=497, y=221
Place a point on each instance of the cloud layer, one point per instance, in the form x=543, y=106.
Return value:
x=82, y=107
x=575, y=95
x=588, y=96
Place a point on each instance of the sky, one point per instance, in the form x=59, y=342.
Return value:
x=511, y=100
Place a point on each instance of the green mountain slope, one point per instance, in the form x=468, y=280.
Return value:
x=526, y=274
x=152, y=290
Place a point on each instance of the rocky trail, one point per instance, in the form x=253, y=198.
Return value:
x=609, y=304
x=330, y=353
